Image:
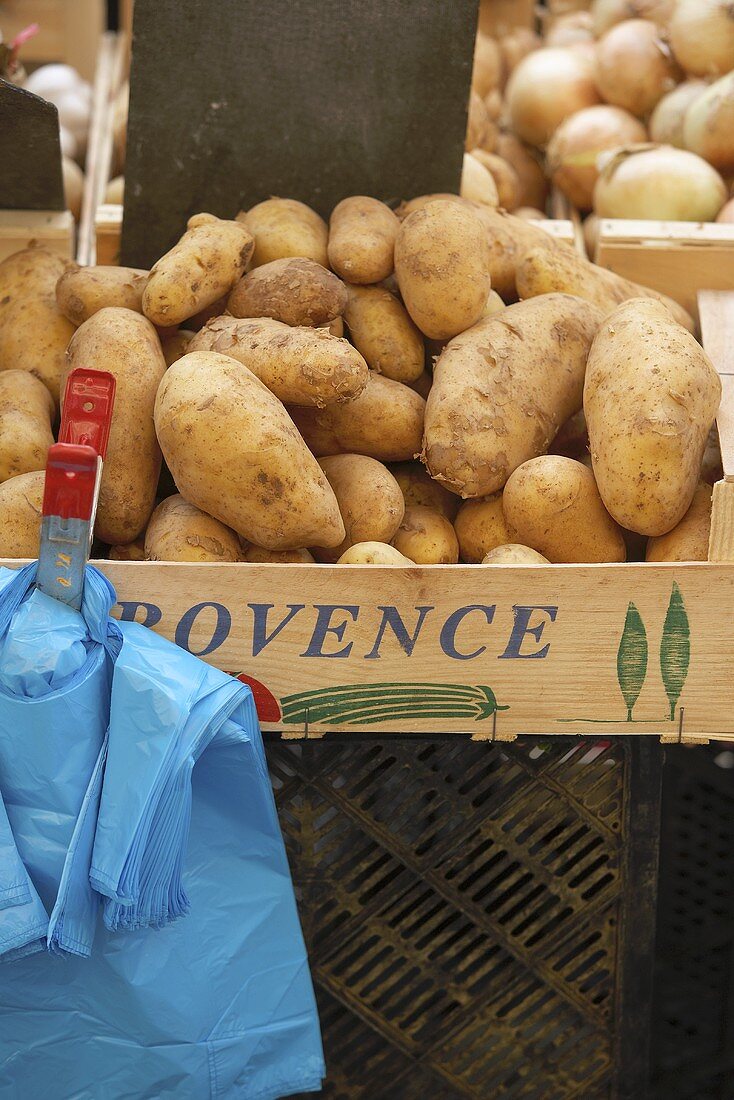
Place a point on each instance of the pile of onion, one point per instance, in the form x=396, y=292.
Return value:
x=635, y=67
x=533, y=184
x=702, y=36
x=658, y=183
x=606, y=13
x=574, y=148
x=546, y=87
x=708, y=127
x=666, y=121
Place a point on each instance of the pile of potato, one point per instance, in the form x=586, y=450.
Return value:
x=361, y=392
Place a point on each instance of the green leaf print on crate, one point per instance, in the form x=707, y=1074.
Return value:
x=352, y=704
x=632, y=658
x=675, y=649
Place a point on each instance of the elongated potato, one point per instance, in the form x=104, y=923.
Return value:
x=21, y=508
x=426, y=537
x=689, y=539
x=381, y=329
x=373, y=553
x=545, y=271
x=125, y=344
x=286, y=227
x=235, y=453
x=179, y=531
x=552, y=504
x=295, y=290
x=514, y=553
x=362, y=234
x=301, y=366
x=502, y=390
x=508, y=238
x=82, y=291
x=442, y=267
x=299, y=556
x=369, y=498
x=650, y=397
x=384, y=422
x=26, y=414
x=480, y=526
x=418, y=487
x=202, y=266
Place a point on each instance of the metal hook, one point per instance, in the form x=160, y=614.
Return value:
x=680, y=725
x=494, y=726
x=306, y=726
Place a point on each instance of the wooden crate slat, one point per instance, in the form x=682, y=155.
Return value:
x=51, y=229
x=716, y=310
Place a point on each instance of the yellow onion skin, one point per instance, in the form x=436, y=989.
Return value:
x=666, y=121
x=662, y=183
x=708, y=127
x=572, y=151
x=546, y=87
x=702, y=36
x=635, y=67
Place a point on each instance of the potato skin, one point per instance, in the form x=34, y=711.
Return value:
x=426, y=537
x=235, y=453
x=286, y=227
x=26, y=414
x=689, y=539
x=125, y=344
x=381, y=329
x=385, y=422
x=294, y=290
x=480, y=526
x=502, y=390
x=202, y=266
x=278, y=557
x=362, y=234
x=179, y=531
x=373, y=553
x=82, y=291
x=418, y=487
x=552, y=505
x=128, y=551
x=30, y=273
x=176, y=345
x=650, y=397
x=442, y=268
x=369, y=498
x=21, y=508
x=545, y=271
x=514, y=553
x=301, y=366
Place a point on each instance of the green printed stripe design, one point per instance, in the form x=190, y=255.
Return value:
x=632, y=658
x=675, y=649
x=354, y=704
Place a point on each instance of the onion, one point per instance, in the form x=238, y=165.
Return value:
x=666, y=121
x=563, y=7
x=659, y=183
x=591, y=235
x=531, y=176
x=635, y=66
x=567, y=29
x=708, y=126
x=516, y=45
x=546, y=87
x=73, y=178
x=488, y=65
x=115, y=191
x=477, y=184
x=69, y=144
x=478, y=123
x=50, y=81
x=529, y=214
x=607, y=13
x=504, y=176
x=726, y=214
x=702, y=36
x=574, y=148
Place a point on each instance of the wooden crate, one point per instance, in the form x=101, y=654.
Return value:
x=51, y=229
x=500, y=17
x=69, y=31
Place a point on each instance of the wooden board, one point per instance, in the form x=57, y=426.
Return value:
x=716, y=311
x=677, y=258
x=233, y=101
x=500, y=17
x=51, y=229
x=69, y=30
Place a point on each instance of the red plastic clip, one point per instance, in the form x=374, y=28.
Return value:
x=71, y=473
x=86, y=415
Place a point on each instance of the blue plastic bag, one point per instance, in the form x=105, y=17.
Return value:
x=134, y=792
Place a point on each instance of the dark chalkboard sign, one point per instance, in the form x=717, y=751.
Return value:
x=30, y=152
x=233, y=101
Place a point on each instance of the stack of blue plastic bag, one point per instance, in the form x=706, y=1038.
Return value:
x=148, y=928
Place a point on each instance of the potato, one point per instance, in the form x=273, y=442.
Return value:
x=179, y=531
x=543, y=271
x=216, y=309
x=689, y=539
x=83, y=291
x=295, y=290
x=504, y=175
x=30, y=273
x=302, y=366
x=442, y=267
x=125, y=344
x=502, y=390
x=299, y=556
x=514, y=553
x=128, y=551
x=480, y=526
x=552, y=504
x=362, y=234
x=426, y=537
x=175, y=346
x=26, y=415
x=373, y=553
x=508, y=238
x=285, y=227
x=381, y=329
x=421, y=201
x=384, y=422
x=369, y=498
x=418, y=487
x=335, y=327
x=235, y=453
x=202, y=266
x=650, y=397
x=21, y=509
